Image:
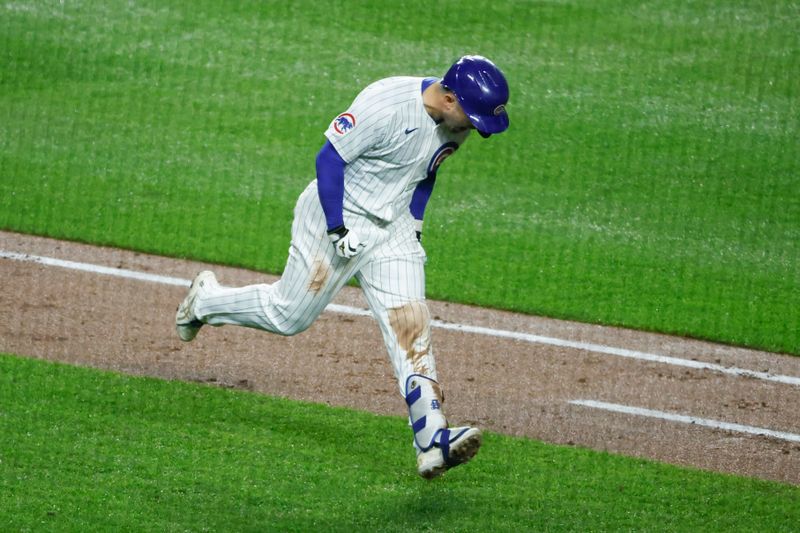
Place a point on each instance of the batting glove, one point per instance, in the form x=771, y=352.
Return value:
x=418, y=229
x=346, y=242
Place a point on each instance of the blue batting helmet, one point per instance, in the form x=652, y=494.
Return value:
x=482, y=91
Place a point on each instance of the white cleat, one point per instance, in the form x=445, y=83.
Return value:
x=186, y=323
x=454, y=446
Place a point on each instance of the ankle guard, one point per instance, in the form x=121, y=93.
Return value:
x=425, y=411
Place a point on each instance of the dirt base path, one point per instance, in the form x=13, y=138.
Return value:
x=517, y=386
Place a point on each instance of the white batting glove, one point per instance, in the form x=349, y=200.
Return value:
x=346, y=242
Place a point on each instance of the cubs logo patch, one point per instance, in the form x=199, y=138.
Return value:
x=442, y=153
x=344, y=123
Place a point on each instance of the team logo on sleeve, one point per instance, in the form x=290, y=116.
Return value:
x=442, y=153
x=344, y=123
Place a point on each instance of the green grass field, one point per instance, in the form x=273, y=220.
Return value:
x=82, y=450
x=649, y=178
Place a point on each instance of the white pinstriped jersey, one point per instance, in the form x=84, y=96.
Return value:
x=390, y=144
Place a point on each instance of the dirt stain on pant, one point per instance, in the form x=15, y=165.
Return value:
x=411, y=324
x=319, y=275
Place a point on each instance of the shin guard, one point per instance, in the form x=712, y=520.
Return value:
x=425, y=410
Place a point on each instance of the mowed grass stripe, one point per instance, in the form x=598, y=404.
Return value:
x=82, y=449
x=648, y=178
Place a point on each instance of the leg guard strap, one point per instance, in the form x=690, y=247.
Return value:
x=444, y=444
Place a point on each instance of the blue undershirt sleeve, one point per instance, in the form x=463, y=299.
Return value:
x=330, y=184
x=419, y=200
x=421, y=196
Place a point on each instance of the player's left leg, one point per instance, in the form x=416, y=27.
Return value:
x=394, y=285
x=439, y=447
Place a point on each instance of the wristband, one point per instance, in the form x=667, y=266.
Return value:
x=337, y=233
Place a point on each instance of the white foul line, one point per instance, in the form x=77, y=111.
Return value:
x=96, y=269
x=525, y=337
x=619, y=352
x=687, y=419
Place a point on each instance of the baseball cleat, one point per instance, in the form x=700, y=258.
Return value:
x=186, y=323
x=454, y=446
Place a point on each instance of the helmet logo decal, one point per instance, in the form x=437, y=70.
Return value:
x=499, y=110
x=344, y=123
x=442, y=153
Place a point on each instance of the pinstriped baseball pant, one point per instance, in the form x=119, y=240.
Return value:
x=391, y=271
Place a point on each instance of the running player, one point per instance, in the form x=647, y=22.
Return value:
x=362, y=217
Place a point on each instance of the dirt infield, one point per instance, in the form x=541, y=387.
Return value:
x=517, y=386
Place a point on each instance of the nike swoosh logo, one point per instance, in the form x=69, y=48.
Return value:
x=409, y=130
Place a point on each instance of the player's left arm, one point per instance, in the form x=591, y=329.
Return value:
x=330, y=184
x=330, y=189
x=419, y=200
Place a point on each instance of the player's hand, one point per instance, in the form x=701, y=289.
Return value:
x=346, y=242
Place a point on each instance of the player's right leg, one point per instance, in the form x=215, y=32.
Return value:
x=186, y=322
x=312, y=277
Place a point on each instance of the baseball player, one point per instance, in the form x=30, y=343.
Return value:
x=362, y=216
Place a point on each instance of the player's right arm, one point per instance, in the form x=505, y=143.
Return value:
x=420, y=200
